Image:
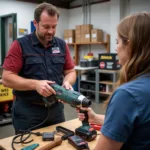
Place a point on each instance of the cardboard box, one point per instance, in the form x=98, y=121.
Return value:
x=78, y=40
x=71, y=33
x=83, y=38
x=78, y=36
x=71, y=39
x=78, y=27
x=97, y=35
x=109, y=61
x=65, y=33
x=77, y=32
x=66, y=39
x=86, y=28
x=87, y=38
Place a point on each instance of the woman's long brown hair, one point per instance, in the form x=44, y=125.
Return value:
x=135, y=30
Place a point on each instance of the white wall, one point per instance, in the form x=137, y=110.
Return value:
x=25, y=14
x=139, y=6
x=104, y=16
x=100, y=18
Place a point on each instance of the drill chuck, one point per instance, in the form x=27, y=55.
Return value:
x=83, y=101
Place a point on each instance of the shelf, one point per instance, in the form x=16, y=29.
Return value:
x=84, y=68
x=6, y=121
x=107, y=82
x=89, y=43
x=87, y=90
x=90, y=81
x=107, y=71
x=1, y=101
x=71, y=44
x=96, y=43
x=106, y=44
x=106, y=93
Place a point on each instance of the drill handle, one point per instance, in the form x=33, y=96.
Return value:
x=85, y=121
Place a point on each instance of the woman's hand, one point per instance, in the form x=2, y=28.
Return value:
x=91, y=115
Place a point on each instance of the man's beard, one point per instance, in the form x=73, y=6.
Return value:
x=43, y=38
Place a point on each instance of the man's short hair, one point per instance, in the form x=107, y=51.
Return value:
x=49, y=8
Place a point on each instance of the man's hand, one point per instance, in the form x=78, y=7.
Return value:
x=67, y=85
x=43, y=88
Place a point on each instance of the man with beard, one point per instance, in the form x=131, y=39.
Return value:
x=32, y=64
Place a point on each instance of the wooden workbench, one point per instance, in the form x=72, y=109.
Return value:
x=72, y=125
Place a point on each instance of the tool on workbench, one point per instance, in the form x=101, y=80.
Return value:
x=48, y=136
x=76, y=99
x=30, y=147
x=78, y=142
x=52, y=144
x=67, y=133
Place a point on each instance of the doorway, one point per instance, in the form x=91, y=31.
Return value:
x=8, y=33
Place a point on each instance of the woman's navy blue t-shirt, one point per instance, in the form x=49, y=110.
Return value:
x=127, y=117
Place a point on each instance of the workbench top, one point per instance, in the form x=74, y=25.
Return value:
x=72, y=125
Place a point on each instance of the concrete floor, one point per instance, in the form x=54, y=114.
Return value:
x=70, y=113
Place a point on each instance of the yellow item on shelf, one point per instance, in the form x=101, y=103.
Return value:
x=5, y=93
x=88, y=57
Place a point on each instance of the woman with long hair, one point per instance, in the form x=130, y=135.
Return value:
x=126, y=124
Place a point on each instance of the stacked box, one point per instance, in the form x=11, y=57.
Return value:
x=86, y=33
x=86, y=28
x=109, y=61
x=96, y=35
x=78, y=34
x=69, y=36
x=83, y=33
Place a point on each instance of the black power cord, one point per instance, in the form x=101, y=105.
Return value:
x=25, y=134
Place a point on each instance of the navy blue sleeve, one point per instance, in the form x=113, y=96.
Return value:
x=121, y=113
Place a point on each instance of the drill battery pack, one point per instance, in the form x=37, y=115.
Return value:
x=87, y=133
x=78, y=142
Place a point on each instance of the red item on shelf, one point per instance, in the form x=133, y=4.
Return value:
x=90, y=54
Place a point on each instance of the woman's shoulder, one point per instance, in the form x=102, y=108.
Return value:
x=140, y=82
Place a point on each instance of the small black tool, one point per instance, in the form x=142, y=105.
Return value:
x=78, y=142
x=66, y=131
x=48, y=136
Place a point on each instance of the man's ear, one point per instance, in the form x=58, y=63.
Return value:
x=35, y=23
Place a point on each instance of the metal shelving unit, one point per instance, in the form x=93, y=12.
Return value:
x=6, y=121
x=87, y=90
x=80, y=69
x=89, y=81
x=98, y=81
